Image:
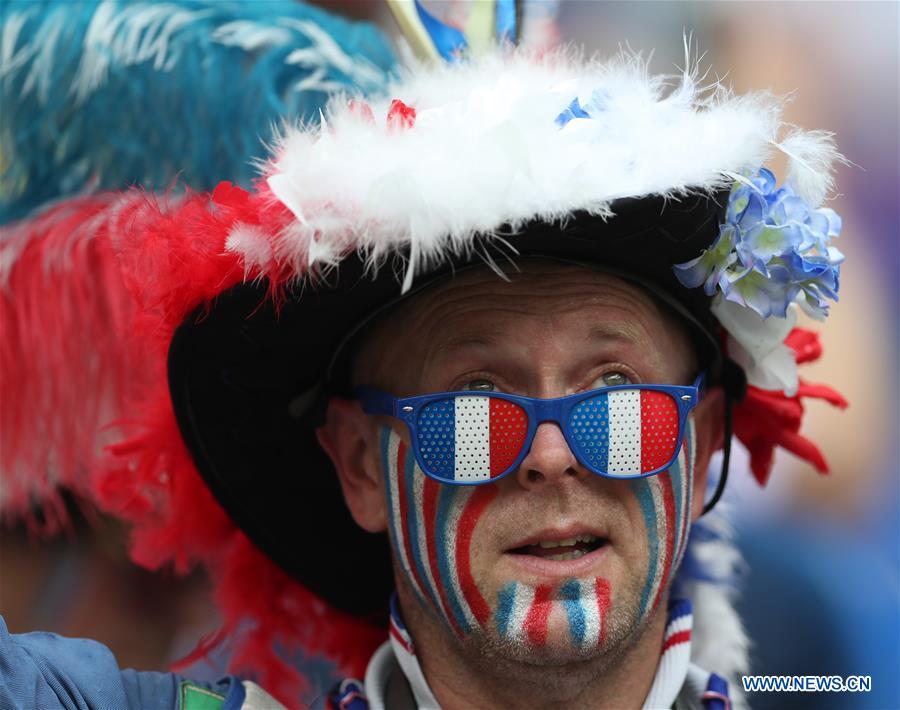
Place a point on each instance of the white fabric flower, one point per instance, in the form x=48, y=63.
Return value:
x=757, y=345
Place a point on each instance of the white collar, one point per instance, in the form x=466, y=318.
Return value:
x=671, y=673
x=675, y=658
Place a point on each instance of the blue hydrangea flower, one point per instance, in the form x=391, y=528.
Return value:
x=772, y=250
x=709, y=267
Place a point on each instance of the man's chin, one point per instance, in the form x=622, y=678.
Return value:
x=563, y=641
x=556, y=648
x=550, y=660
x=555, y=652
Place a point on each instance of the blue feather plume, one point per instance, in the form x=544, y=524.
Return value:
x=103, y=95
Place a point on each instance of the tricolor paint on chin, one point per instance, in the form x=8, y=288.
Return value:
x=523, y=611
x=431, y=529
x=665, y=502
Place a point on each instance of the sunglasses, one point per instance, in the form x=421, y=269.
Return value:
x=470, y=438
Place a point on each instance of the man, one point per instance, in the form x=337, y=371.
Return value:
x=568, y=568
x=471, y=315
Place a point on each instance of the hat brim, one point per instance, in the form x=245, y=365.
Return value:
x=249, y=380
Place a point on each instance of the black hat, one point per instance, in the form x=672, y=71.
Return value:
x=249, y=380
x=490, y=161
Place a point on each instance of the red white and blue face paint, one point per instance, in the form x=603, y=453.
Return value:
x=431, y=529
x=523, y=611
x=665, y=502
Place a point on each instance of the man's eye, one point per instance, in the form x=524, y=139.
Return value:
x=479, y=385
x=613, y=379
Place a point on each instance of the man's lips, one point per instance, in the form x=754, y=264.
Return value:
x=559, y=537
x=571, y=548
x=558, y=551
x=523, y=565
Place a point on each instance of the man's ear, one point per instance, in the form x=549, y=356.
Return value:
x=350, y=442
x=709, y=427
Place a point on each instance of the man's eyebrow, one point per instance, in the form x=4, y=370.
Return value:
x=624, y=330
x=464, y=340
x=620, y=331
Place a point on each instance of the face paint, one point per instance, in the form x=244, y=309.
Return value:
x=523, y=611
x=665, y=502
x=431, y=528
x=586, y=603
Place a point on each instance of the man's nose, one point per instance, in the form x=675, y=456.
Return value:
x=550, y=460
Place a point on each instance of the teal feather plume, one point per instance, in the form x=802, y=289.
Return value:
x=103, y=95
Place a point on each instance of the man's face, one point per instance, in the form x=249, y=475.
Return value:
x=551, y=563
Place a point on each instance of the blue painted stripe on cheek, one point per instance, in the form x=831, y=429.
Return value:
x=414, y=510
x=688, y=481
x=505, y=600
x=570, y=594
x=641, y=488
x=445, y=548
x=676, y=476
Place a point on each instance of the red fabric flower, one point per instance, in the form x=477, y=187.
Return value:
x=766, y=419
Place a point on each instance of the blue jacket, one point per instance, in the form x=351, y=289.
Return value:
x=47, y=671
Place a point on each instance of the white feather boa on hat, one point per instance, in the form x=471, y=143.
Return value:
x=486, y=150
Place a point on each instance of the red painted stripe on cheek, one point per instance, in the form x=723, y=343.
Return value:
x=538, y=615
x=429, y=507
x=468, y=519
x=601, y=589
x=669, y=504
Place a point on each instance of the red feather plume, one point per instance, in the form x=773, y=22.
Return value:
x=765, y=419
x=93, y=289
x=67, y=363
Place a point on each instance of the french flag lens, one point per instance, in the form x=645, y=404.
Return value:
x=470, y=438
x=626, y=432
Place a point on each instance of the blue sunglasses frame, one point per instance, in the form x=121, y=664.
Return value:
x=538, y=411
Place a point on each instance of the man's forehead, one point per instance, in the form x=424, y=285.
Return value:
x=476, y=309
x=474, y=303
x=450, y=340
